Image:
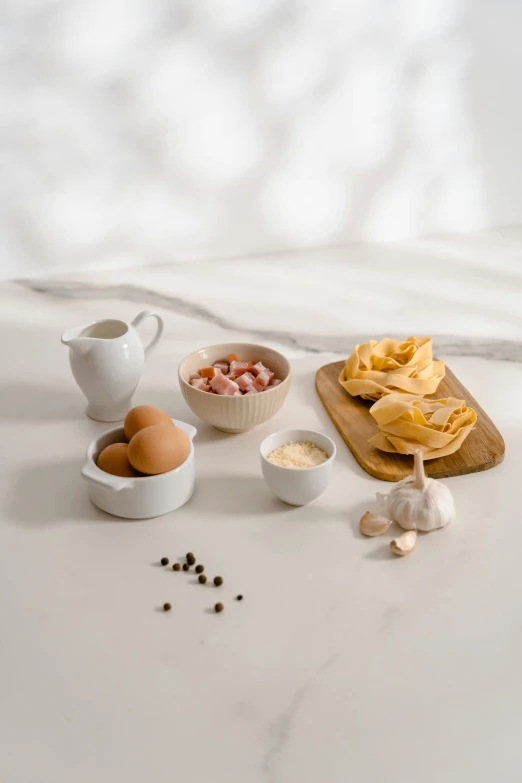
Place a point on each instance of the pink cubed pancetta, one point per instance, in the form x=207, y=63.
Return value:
x=238, y=368
x=223, y=366
x=245, y=380
x=263, y=378
x=200, y=383
x=257, y=368
x=233, y=378
x=228, y=387
x=216, y=382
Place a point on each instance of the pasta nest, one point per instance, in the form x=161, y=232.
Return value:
x=379, y=368
x=407, y=423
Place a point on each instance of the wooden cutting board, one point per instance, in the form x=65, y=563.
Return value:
x=483, y=448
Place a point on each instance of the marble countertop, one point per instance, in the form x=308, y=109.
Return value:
x=342, y=663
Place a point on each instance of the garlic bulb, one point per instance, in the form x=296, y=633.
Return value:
x=417, y=502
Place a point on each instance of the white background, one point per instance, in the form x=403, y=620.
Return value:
x=137, y=131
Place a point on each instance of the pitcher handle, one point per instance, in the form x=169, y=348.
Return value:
x=159, y=331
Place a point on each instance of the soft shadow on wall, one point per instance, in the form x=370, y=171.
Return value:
x=148, y=130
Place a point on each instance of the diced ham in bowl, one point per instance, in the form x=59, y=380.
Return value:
x=234, y=377
x=236, y=399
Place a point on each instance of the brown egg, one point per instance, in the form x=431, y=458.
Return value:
x=144, y=416
x=114, y=459
x=158, y=448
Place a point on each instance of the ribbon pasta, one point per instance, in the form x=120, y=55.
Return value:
x=376, y=369
x=407, y=423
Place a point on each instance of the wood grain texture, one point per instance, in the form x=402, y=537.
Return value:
x=483, y=448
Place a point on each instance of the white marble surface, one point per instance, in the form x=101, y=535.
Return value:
x=341, y=663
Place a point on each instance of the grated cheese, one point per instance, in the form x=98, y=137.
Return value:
x=299, y=454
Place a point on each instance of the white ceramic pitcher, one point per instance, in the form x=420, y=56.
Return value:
x=107, y=359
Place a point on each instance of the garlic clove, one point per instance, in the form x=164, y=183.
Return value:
x=373, y=524
x=404, y=544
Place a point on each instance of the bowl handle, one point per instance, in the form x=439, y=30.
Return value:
x=187, y=428
x=105, y=479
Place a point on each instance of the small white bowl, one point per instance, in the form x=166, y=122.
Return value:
x=235, y=414
x=143, y=497
x=297, y=486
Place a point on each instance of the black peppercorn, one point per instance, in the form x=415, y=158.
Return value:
x=167, y=607
x=219, y=607
x=164, y=561
x=202, y=579
x=191, y=560
x=176, y=567
x=218, y=580
x=189, y=555
x=186, y=566
x=200, y=569
x=239, y=597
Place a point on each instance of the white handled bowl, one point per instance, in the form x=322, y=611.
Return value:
x=235, y=414
x=297, y=486
x=143, y=497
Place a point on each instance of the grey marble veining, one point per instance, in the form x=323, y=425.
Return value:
x=283, y=726
x=176, y=305
x=306, y=342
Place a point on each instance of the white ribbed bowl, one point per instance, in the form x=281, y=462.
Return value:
x=235, y=414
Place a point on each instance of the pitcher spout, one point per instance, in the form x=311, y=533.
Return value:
x=72, y=339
